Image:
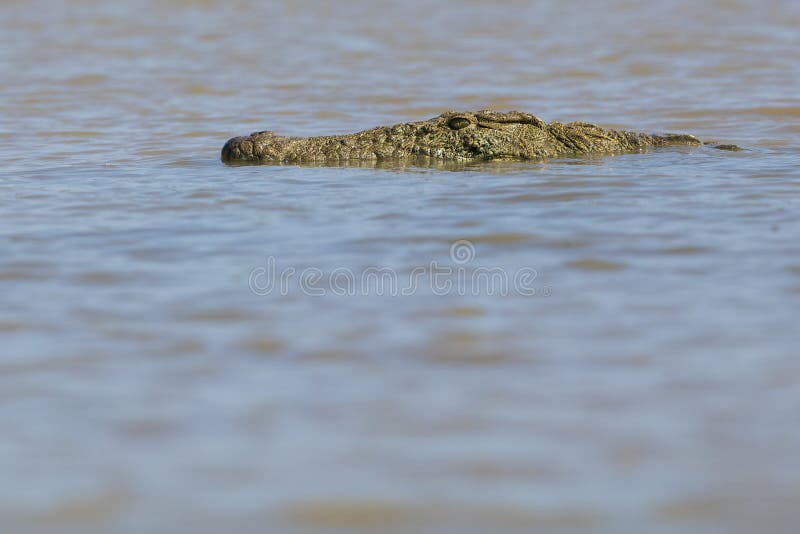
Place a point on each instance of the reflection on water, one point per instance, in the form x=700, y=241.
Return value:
x=144, y=385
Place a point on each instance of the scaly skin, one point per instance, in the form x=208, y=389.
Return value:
x=452, y=136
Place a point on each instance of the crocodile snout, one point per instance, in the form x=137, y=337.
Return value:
x=238, y=149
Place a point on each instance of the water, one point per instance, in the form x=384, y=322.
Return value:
x=644, y=376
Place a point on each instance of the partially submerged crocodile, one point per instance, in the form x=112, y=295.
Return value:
x=452, y=136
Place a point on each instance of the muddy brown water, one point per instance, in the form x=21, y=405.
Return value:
x=604, y=344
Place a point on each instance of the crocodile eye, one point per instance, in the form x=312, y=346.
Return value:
x=457, y=123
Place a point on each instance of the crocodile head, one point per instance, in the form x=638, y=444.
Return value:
x=450, y=136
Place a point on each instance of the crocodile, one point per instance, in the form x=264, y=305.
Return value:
x=452, y=136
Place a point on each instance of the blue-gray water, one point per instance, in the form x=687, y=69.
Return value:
x=644, y=375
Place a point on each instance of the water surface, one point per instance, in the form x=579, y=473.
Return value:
x=644, y=377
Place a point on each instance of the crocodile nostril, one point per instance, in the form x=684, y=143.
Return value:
x=457, y=123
